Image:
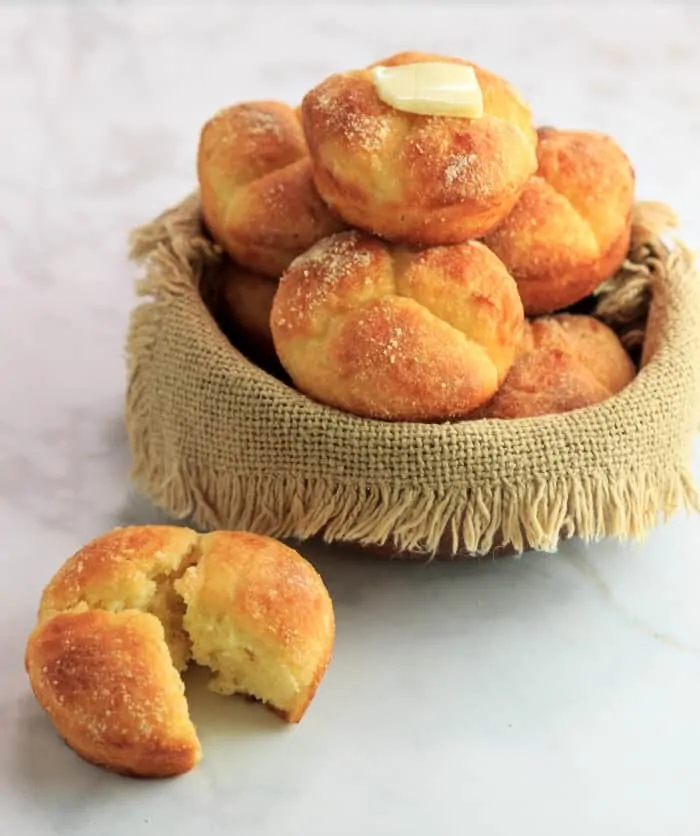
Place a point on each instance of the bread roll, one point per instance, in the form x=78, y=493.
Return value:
x=570, y=230
x=416, y=179
x=256, y=188
x=247, y=302
x=387, y=332
x=103, y=660
x=109, y=687
x=260, y=618
x=566, y=362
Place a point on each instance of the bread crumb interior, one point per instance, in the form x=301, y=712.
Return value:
x=238, y=664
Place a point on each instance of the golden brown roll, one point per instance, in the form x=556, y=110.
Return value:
x=566, y=362
x=260, y=618
x=387, y=332
x=133, y=606
x=109, y=687
x=416, y=179
x=570, y=230
x=256, y=188
x=247, y=301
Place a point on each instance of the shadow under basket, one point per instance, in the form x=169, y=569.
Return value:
x=220, y=442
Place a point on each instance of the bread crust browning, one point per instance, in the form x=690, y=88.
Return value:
x=414, y=179
x=571, y=228
x=566, y=362
x=387, y=332
x=109, y=687
x=257, y=193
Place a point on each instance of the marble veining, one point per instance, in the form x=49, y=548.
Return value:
x=553, y=694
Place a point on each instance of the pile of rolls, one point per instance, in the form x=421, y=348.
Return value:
x=408, y=246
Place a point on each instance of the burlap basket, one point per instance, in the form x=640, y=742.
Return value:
x=221, y=442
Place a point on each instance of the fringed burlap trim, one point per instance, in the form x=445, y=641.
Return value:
x=420, y=520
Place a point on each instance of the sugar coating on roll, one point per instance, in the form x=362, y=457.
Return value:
x=257, y=194
x=566, y=362
x=107, y=682
x=387, y=332
x=570, y=230
x=415, y=178
x=260, y=619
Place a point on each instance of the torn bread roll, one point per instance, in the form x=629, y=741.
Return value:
x=415, y=178
x=570, y=230
x=126, y=613
x=386, y=332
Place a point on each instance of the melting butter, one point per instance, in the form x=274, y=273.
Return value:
x=430, y=89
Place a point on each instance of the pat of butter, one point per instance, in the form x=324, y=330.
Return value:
x=430, y=89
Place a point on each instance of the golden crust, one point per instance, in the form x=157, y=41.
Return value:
x=388, y=332
x=567, y=362
x=106, y=681
x=571, y=228
x=420, y=180
x=247, y=302
x=267, y=593
x=257, y=193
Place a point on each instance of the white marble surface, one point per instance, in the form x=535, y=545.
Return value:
x=551, y=695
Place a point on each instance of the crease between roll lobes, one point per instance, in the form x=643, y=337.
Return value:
x=389, y=262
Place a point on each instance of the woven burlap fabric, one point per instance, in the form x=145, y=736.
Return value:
x=218, y=441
